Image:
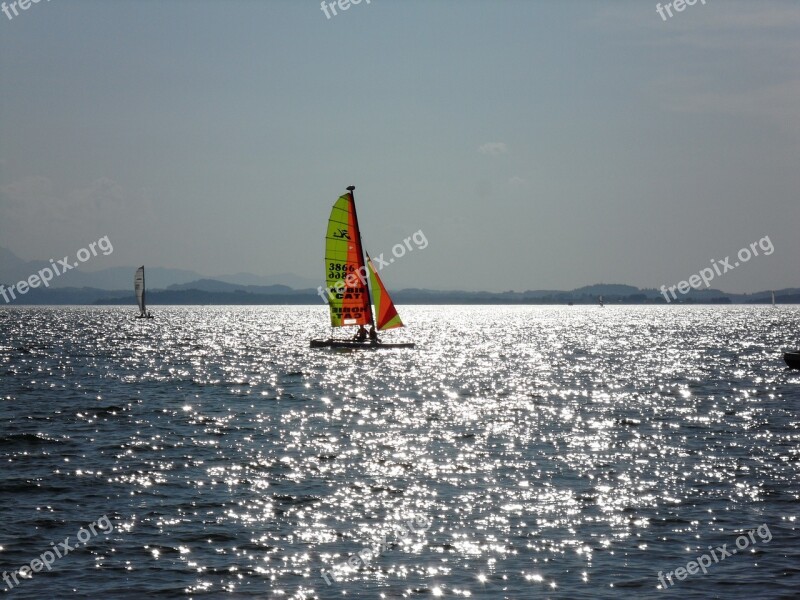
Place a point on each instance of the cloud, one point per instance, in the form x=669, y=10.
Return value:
x=42, y=218
x=741, y=28
x=738, y=58
x=493, y=148
x=731, y=16
x=24, y=200
x=779, y=103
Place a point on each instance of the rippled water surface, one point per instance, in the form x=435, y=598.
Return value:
x=518, y=452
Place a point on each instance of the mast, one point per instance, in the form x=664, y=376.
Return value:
x=144, y=289
x=362, y=268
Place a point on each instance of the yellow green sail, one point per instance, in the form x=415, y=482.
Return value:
x=346, y=275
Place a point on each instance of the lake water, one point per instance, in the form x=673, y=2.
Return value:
x=518, y=452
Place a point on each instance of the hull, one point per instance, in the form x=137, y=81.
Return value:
x=356, y=345
x=792, y=359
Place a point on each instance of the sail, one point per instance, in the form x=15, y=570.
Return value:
x=345, y=273
x=138, y=286
x=386, y=316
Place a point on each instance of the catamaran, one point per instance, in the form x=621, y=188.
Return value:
x=138, y=287
x=348, y=293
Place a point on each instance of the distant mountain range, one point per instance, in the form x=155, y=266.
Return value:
x=13, y=269
x=176, y=286
x=211, y=291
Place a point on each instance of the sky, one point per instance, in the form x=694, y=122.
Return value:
x=536, y=144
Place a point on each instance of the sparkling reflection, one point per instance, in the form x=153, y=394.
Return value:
x=554, y=450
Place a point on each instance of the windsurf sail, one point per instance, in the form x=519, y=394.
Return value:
x=345, y=273
x=138, y=286
x=773, y=298
x=386, y=316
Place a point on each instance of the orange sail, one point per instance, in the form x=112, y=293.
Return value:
x=346, y=275
x=385, y=312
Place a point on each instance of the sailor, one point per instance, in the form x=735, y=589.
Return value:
x=373, y=335
x=361, y=334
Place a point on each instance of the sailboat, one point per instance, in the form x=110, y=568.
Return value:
x=773, y=298
x=600, y=300
x=138, y=287
x=347, y=273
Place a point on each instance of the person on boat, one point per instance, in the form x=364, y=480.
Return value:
x=361, y=334
x=373, y=335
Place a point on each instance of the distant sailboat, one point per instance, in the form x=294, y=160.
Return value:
x=773, y=298
x=600, y=300
x=138, y=287
x=348, y=292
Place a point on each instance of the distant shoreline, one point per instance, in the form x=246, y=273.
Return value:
x=239, y=297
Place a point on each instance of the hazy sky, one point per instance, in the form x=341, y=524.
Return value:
x=536, y=144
